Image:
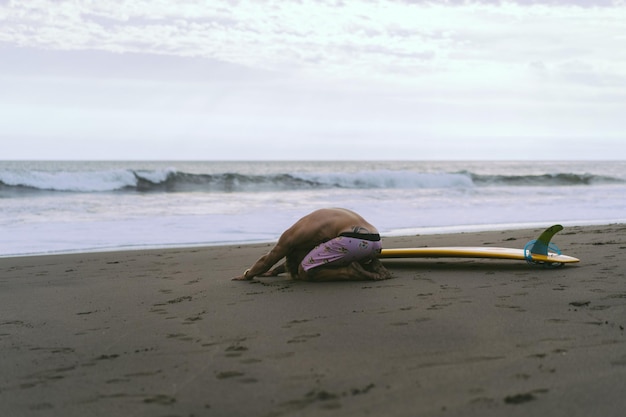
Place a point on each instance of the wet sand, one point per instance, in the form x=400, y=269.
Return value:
x=167, y=333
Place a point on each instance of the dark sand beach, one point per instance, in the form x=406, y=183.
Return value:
x=167, y=333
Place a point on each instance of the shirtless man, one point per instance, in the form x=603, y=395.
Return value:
x=326, y=245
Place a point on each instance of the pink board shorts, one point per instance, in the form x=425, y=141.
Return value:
x=341, y=251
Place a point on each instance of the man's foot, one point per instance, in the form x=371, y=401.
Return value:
x=378, y=268
x=376, y=273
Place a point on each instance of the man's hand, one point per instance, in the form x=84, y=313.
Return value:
x=245, y=277
x=240, y=278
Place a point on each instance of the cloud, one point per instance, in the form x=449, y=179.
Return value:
x=331, y=37
x=462, y=45
x=99, y=64
x=279, y=70
x=364, y=39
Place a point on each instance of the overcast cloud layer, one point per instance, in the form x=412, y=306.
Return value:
x=313, y=79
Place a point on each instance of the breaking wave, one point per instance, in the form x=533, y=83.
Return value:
x=171, y=180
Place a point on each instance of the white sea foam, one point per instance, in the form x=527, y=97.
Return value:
x=156, y=176
x=401, y=179
x=70, y=181
x=82, y=181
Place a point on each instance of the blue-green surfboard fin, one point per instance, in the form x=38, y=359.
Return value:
x=542, y=244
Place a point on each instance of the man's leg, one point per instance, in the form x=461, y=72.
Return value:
x=352, y=272
x=375, y=265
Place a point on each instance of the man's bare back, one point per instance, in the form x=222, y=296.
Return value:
x=314, y=229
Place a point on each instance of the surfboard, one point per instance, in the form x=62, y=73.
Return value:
x=540, y=251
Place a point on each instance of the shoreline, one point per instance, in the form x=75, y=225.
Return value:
x=408, y=232
x=165, y=332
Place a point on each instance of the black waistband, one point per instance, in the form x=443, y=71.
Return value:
x=372, y=237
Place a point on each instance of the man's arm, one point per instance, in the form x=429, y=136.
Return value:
x=302, y=232
x=280, y=269
x=264, y=263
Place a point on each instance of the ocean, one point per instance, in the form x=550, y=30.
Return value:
x=62, y=207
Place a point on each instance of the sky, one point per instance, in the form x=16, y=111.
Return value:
x=308, y=80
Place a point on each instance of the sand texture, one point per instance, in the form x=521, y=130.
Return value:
x=167, y=333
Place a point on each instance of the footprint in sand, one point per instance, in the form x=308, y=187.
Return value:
x=524, y=397
x=292, y=322
x=228, y=374
x=303, y=338
x=235, y=351
x=160, y=399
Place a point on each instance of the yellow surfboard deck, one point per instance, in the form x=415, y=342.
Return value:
x=538, y=251
x=474, y=252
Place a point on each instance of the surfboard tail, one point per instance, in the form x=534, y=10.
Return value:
x=543, y=246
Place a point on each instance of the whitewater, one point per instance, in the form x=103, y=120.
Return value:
x=51, y=207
